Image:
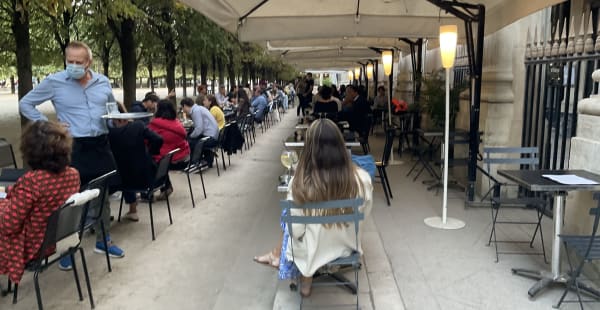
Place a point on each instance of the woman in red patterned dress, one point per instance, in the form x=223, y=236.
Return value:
x=46, y=148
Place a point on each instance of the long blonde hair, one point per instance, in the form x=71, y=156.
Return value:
x=325, y=170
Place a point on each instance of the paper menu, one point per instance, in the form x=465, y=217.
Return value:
x=569, y=179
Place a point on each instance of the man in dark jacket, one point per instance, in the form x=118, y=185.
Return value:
x=146, y=105
x=358, y=118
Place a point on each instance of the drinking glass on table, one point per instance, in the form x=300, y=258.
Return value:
x=289, y=158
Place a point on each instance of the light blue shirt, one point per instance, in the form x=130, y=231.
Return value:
x=79, y=107
x=204, y=123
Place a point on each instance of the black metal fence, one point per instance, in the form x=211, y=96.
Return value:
x=553, y=87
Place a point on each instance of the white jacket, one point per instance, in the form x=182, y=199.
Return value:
x=314, y=245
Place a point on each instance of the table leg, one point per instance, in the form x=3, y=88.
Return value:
x=545, y=278
x=559, y=212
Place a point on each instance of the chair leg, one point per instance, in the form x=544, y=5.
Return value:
x=223, y=160
x=493, y=232
x=202, y=180
x=87, y=278
x=120, y=208
x=151, y=218
x=387, y=181
x=539, y=227
x=77, y=276
x=15, y=293
x=217, y=164
x=105, y=245
x=38, y=293
x=381, y=176
x=191, y=192
x=169, y=210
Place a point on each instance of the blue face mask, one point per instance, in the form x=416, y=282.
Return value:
x=75, y=71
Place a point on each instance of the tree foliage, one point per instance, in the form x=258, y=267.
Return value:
x=130, y=39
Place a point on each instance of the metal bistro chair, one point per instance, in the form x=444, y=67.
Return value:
x=96, y=208
x=158, y=183
x=7, y=155
x=523, y=158
x=587, y=247
x=193, y=166
x=381, y=165
x=353, y=260
x=62, y=223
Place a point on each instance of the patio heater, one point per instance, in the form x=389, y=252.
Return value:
x=448, y=37
x=387, y=58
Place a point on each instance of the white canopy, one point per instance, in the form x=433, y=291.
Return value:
x=344, y=25
x=313, y=19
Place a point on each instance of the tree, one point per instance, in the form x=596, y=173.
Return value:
x=18, y=10
x=121, y=16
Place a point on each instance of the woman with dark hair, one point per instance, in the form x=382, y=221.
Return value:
x=243, y=103
x=325, y=172
x=326, y=105
x=166, y=125
x=46, y=148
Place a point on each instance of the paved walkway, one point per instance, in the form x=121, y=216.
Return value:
x=204, y=260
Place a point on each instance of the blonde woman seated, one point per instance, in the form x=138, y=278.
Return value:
x=325, y=172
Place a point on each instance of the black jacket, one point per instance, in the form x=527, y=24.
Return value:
x=134, y=160
x=232, y=138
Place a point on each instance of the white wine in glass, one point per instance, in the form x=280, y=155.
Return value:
x=286, y=159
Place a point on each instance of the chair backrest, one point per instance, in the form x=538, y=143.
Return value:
x=526, y=157
x=67, y=220
x=520, y=157
x=7, y=156
x=355, y=217
x=163, y=168
x=389, y=142
x=100, y=183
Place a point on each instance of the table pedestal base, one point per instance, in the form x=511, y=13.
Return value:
x=546, y=279
x=437, y=222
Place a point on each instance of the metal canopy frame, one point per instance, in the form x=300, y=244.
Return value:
x=416, y=57
x=471, y=13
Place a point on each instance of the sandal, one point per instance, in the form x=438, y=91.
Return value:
x=268, y=259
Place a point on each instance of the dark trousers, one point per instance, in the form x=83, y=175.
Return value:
x=209, y=144
x=304, y=102
x=92, y=157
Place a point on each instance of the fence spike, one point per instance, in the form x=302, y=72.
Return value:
x=589, y=42
x=534, y=48
x=528, y=45
x=562, y=48
x=579, y=41
x=571, y=38
x=597, y=45
x=556, y=42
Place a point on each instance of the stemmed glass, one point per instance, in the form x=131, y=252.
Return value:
x=288, y=159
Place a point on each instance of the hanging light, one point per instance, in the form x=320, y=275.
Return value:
x=370, y=71
x=448, y=36
x=386, y=59
x=350, y=75
x=357, y=72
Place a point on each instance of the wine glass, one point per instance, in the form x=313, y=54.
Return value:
x=288, y=158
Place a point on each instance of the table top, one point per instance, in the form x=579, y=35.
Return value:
x=291, y=141
x=534, y=181
x=131, y=115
